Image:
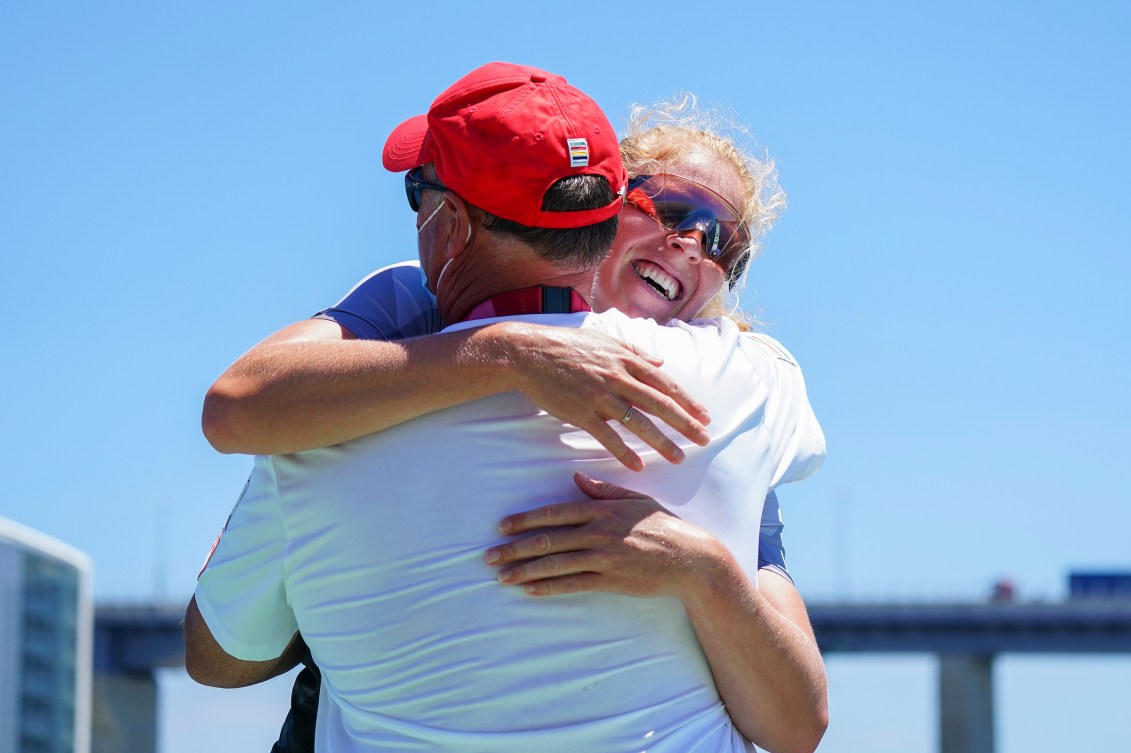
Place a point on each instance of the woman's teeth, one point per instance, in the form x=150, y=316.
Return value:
x=654, y=275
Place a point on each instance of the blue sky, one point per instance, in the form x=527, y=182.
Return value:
x=178, y=182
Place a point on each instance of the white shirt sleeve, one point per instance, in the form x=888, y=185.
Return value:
x=798, y=442
x=241, y=592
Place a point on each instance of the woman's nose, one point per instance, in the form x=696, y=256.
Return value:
x=689, y=242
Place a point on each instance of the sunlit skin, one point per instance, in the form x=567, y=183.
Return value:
x=644, y=247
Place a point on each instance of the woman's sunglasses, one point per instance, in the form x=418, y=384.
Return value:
x=684, y=206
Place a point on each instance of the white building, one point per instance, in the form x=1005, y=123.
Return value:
x=46, y=635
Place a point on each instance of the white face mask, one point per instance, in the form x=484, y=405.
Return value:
x=435, y=288
x=434, y=212
x=443, y=269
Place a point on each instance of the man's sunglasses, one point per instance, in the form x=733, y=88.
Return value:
x=415, y=185
x=686, y=207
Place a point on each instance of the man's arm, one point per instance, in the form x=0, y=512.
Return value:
x=759, y=644
x=239, y=626
x=209, y=664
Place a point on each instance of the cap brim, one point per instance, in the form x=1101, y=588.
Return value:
x=404, y=149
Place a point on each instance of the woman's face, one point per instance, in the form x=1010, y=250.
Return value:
x=653, y=273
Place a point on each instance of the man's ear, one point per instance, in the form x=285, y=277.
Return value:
x=461, y=223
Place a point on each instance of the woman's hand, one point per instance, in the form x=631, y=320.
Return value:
x=618, y=541
x=762, y=652
x=588, y=379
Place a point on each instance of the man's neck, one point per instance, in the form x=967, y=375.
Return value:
x=474, y=278
x=538, y=299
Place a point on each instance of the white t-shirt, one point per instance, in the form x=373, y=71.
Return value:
x=393, y=303
x=374, y=550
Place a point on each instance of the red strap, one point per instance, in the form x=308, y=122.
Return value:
x=536, y=300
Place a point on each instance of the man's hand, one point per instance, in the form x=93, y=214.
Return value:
x=617, y=541
x=587, y=378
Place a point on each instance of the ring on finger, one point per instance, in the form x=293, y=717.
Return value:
x=627, y=415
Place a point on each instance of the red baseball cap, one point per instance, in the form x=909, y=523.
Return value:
x=503, y=134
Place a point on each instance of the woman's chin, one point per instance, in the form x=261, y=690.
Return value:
x=661, y=311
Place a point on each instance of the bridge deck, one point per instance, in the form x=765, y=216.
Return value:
x=136, y=639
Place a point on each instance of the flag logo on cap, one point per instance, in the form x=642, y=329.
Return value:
x=578, y=152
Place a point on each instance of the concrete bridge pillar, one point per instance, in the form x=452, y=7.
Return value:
x=124, y=713
x=966, y=703
x=129, y=644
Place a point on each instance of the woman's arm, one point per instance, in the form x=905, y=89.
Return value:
x=758, y=641
x=764, y=658
x=313, y=385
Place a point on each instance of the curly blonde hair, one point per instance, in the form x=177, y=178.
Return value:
x=663, y=133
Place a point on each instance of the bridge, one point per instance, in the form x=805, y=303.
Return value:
x=131, y=641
